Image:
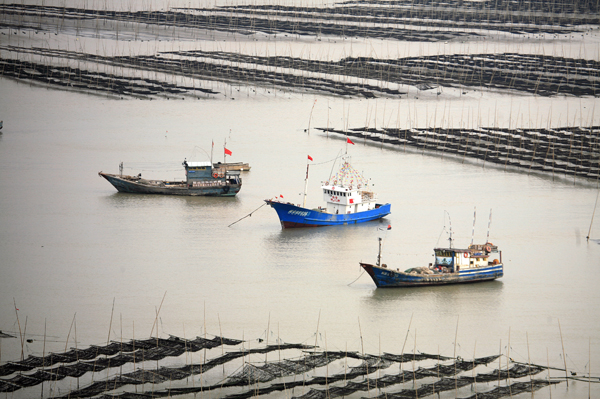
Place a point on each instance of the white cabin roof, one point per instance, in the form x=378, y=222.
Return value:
x=196, y=164
x=338, y=188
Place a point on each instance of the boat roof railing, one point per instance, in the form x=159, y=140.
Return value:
x=493, y=248
x=194, y=164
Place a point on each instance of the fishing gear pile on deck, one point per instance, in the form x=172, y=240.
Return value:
x=570, y=151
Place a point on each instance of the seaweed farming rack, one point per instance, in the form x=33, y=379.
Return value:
x=303, y=372
x=30, y=54
x=566, y=151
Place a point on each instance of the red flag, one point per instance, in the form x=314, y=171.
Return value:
x=227, y=152
x=281, y=195
x=309, y=157
x=349, y=141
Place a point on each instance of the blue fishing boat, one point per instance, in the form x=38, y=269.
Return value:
x=348, y=199
x=476, y=263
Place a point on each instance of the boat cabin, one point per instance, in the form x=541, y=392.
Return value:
x=344, y=200
x=452, y=260
x=202, y=173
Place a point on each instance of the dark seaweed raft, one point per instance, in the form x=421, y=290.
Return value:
x=366, y=19
x=349, y=77
x=256, y=379
x=564, y=151
x=412, y=21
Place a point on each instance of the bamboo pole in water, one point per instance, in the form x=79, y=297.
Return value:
x=508, y=364
x=133, y=341
x=402, y=353
x=413, y=363
x=19, y=324
x=593, y=213
x=455, y=372
x=363, y=354
x=44, y=360
x=563, y=352
x=548, y=364
x=499, y=361
x=529, y=364
x=267, y=339
x=474, y=376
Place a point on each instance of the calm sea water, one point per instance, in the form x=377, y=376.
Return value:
x=70, y=245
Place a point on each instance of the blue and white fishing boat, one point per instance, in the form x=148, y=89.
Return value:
x=348, y=197
x=476, y=263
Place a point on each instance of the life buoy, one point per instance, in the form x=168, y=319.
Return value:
x=488, y=248
x=215, y=175
x=466, y=254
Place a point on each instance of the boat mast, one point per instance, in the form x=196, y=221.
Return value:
x=379, y=253
x=487, y=239
x=450, y=236
x=211, y=153
x=305, y=185
x=473, y=232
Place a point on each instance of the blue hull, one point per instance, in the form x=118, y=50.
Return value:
x=384, y=277
x=294, y=216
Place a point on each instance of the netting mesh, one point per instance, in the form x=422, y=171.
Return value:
x=259, y=377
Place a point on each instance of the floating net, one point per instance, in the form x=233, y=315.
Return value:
x=262, y=378
x=96, y=358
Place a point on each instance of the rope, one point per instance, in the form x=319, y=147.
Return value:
x=250, y=214
x=357, y=278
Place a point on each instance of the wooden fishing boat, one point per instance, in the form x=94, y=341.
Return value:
x=223, y=166
x=452, y=266
x=348, y=200
x=201, y=180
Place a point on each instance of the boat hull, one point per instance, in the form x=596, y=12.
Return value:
x=220, y=188
x=387, y=278
x=241, y=166
x=292, y=216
